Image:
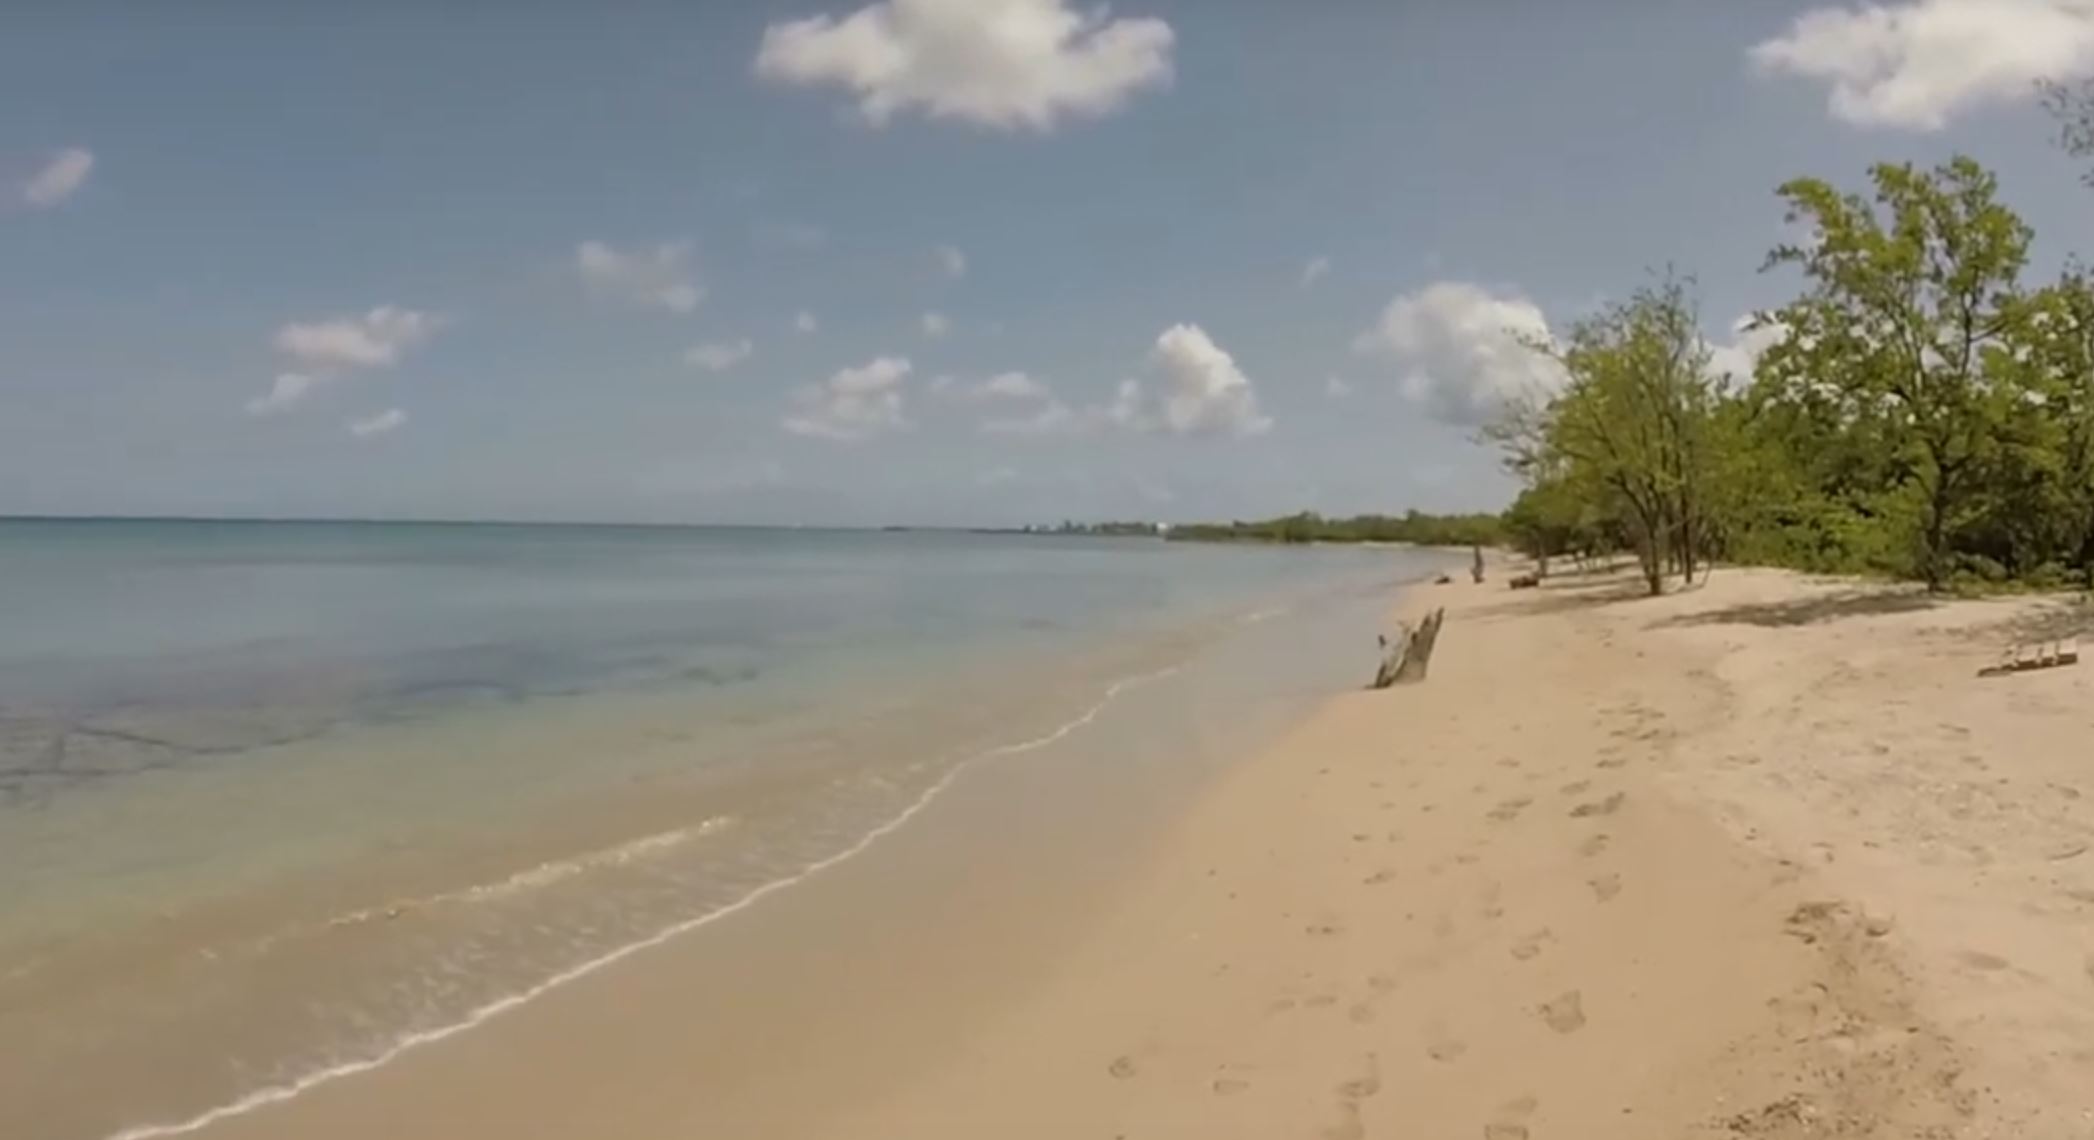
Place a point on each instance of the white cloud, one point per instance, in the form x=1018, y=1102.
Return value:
x=659, y=278
x=1461, y=348
x=997, y=63
x=1314, y=270
x=1044, y=413
x=1917, y=63
x=59, y=178
x=289, y=388
x=951, y=261
x=720, y=356
x=804, y=322
x=1051, y=417
x=1204, y=392
x=379, y=424
x=936, y=325
x=853, y=404
x=324, y=351
x=376, y=339
x=1336, y=388
x=996, y=477
x=1737, y=358
x=1011, y=386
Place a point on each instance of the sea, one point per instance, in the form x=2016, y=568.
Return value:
x=283, y=801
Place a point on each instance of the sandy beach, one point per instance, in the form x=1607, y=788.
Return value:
x=1765, y=858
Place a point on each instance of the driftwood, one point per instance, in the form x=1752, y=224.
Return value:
x=1526, y=582
x=2038, y=655
x=1404, y=660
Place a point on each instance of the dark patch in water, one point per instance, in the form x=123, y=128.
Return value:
x=722, y=675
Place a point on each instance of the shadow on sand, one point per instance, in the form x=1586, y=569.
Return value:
x=1865, y=602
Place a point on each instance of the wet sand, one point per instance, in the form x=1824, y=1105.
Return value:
x=1762, y=859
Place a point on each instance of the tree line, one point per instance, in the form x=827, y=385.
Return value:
x=1414, y=527
x=1924, y=409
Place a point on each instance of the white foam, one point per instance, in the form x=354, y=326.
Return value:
x=279, y=1093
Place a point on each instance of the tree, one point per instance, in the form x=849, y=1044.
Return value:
x=1627, y=436
x=1900, y=339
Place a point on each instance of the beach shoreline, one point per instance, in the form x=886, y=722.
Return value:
x=1759, y=859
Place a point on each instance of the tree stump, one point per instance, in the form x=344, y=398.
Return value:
x=1405, y=660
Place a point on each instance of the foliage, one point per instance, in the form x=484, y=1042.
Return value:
x=1411, y=527
x=1921, y=413
x=1625, y=447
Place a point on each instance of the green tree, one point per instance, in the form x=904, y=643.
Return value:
x=1899, y=342
x=1628, y=435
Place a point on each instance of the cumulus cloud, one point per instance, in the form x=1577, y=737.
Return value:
x=856, y=403
x=289, y=388
x=59, y=178
x=1736, y=360
x=1011, y=386
x=936, y=325
x=998, y=63
x=1314, y=270
x=1336, y=388
x=721, y=355
x=1203, y=391
x=379, y=424
x=951, y=261
x=804, y=322
x=327, y=350
x=1460, y=346
x=1916, y=64
x=376, y=339
x=1047, y=417
x=658, y=278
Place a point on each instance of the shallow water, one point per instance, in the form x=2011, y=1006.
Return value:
x=279, y=800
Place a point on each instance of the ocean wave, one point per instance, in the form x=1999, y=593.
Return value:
x=274, y=1094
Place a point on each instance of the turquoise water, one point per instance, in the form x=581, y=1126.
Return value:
x=279, y=799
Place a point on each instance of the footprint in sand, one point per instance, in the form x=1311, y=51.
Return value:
x=1511, y=1115
x=1575, y=787
x=1607, y=806
x=1526, y=948
x=1566, y=1014
x=1444, y=1048
x=1229, y=1086
x=1979, y=960
x=1605, y=887
x=1122, y=1068
x=1594, y=844
x=1350, y=1094
x=1379, y=877
x=1324, y=929
x=1509, y=810
x=1361, y=1013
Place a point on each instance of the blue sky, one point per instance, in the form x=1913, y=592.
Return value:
x=1178, y=260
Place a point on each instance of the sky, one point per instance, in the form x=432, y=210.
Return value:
x=942, y=262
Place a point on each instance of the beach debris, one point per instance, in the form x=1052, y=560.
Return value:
x=1526, y=581
x=1121, y=1068
x=1404, y=660
x=2027, y=656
